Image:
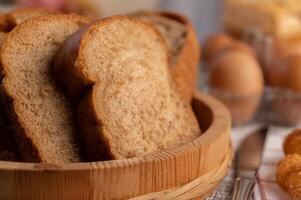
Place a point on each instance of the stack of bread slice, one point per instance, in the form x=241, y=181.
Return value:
x=78, y=91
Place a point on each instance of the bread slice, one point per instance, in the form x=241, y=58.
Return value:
x=9, y=20
x=130, y=107
x=7, y=144
x=183, y=46
x=39, y=110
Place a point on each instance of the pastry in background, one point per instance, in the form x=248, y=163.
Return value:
x=292, y=143
x=237, y=80
x=289, y=175
x=273, y=17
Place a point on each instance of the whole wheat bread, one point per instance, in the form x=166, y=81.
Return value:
x=7, y=144
x=41, y=114
x=183, y=46
x=8, y=21
x=130, y=107
x=8, y=151
x=11, y=19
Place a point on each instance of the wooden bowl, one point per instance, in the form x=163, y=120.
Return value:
x=190, y=171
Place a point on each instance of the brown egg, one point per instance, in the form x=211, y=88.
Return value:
x=293, y=74
x=275, y=72
x=236, y=79
x=284, y=48
x=286, y=73
x=214, y=44
x=275, y=55
x=236, y=72
x=238, y=46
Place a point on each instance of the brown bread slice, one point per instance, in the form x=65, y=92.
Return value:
x=8, y=150
x=41, y=114
x=183, y=46
x=130, y=107
x=7, y=145
x=11, y=19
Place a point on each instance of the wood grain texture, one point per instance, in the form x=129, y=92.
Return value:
x=199, y=188
x=123, y=179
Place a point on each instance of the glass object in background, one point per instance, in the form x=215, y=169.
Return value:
x=277, y=18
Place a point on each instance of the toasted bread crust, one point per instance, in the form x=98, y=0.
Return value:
x=22, y=130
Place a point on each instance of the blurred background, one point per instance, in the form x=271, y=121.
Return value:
x=251, y=49
x=203, y=13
